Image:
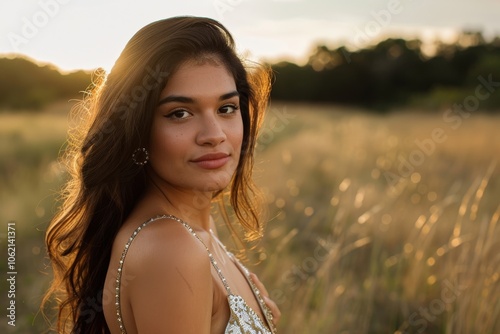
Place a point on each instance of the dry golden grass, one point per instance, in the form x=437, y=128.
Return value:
x=351, y=251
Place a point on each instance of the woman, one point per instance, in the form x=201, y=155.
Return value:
x=134, y=248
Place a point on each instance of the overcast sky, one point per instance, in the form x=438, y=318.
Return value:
x=86, y=34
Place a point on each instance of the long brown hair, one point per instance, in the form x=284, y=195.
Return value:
x=104, y=182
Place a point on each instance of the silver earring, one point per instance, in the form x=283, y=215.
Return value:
x=143, y=156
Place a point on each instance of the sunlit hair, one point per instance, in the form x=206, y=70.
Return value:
x=104, y=182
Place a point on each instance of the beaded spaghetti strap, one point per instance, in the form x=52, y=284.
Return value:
x=210, y=255
x=246, y=273
x=119, y=274
x=124, y=254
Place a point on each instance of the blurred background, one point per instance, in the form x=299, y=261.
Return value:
x=378, y=159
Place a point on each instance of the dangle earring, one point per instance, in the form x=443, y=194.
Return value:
x=143, y=156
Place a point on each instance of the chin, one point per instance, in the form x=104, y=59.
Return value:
x=215, y=187
x=217, y=184
x=218, y=180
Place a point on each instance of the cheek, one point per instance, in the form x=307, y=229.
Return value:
x=164, y=144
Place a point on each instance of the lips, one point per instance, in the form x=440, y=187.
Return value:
x=211, y=160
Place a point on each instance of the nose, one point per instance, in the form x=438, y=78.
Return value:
x=211, y=131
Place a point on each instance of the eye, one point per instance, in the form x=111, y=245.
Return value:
x=178, y=114
x=228, y=109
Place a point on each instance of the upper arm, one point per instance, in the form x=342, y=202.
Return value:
x=172, y=287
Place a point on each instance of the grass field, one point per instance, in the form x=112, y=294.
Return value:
x=377, y=223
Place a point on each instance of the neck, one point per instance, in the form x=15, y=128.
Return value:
x=189, y=205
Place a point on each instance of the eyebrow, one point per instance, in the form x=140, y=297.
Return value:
x=185, y=99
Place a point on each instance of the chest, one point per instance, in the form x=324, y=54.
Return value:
x=243, y=297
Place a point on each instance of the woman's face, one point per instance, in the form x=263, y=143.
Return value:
x=197, y=129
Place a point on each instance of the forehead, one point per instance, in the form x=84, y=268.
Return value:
x=200, y=77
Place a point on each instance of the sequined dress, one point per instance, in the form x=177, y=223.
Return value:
x=242, y=320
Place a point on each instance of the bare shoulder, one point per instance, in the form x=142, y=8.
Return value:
x=162, y=246
x=168, y=278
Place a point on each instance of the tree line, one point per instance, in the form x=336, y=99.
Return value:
x=395, y=72
x=392, y=73
x=27, y=85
